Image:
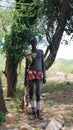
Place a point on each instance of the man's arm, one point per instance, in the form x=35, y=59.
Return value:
x=43, y=68
x=26, y=75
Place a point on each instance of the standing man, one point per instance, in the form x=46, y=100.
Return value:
x=35, y=71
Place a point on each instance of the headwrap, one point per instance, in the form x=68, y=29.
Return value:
x=33, y=40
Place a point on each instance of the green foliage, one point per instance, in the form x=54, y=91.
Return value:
x=36, y=128
x=22, y=29
x=71, y=114
x=52, y=86
x=6, y=19
x=58, y=92
x=17, y=25
x=12, y=105
x=18, y=106
x=2, y=117
x=68, y=121
x=16, y=103
x=51, y=8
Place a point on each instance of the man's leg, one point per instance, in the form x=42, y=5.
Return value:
x=31, y=93
x=38, y=93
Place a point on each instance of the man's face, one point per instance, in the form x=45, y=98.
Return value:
x=33, y=42
x=34, y=45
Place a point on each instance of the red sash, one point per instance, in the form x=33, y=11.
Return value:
x=34, y=75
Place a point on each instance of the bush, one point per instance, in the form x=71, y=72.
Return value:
x=2, y=117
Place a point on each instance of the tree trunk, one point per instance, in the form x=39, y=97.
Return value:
x=62, y=20
x=11, y=73
x=2, y=102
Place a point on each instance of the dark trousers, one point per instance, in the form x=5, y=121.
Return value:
x=37, y=84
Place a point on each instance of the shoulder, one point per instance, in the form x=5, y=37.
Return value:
x=41, y=51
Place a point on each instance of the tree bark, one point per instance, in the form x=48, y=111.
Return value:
x=11, y=73
x=2, y=102
x=62, y=20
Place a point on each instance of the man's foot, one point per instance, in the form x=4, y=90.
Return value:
x=39, y=116
x=32, y=117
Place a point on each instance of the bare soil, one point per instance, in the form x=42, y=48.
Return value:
x=56, y=104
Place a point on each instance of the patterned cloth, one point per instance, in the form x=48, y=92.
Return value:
x=34, y=75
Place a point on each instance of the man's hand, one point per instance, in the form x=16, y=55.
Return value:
x=44, y=80
x=25, y=83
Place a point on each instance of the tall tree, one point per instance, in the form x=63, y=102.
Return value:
x=17, y=42
x=57, y=17
x=58, y=14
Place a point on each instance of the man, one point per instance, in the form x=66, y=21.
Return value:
x=35, y=71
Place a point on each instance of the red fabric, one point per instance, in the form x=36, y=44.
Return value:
x=39, y=75
x=30, y=74
x=34, y=75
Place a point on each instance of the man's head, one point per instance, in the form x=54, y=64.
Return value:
x=33, y=42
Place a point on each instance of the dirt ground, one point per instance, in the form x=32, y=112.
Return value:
x=56, y=104
x=59, y=76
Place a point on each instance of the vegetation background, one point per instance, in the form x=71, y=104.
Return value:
x=58, y=90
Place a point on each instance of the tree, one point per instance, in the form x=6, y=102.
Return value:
x=16, y=43
x=58, y=14
x=2, y=102
x=57, y=17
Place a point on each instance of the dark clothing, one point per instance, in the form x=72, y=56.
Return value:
x=32, y=84
x=37, y=65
